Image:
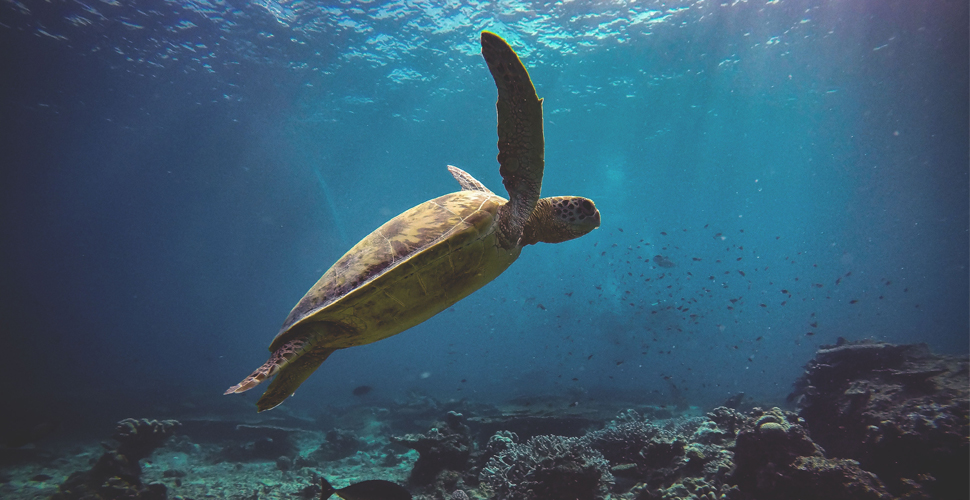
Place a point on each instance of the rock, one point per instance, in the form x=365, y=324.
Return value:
x=339, y=443
x=447, y=446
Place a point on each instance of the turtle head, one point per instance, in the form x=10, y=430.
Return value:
x=560, y=218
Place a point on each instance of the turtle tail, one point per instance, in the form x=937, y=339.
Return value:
x=280, y=358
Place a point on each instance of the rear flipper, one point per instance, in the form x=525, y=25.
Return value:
x=290, y=376
x=282, y=357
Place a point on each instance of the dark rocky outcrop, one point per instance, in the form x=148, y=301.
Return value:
x=899, y=410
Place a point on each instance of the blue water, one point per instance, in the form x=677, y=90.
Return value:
x=176, y=176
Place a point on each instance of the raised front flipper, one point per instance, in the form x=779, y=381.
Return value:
x=520, y=141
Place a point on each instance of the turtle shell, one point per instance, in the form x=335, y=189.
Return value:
x=411, y=268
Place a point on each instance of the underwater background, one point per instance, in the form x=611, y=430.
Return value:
x=176, y=175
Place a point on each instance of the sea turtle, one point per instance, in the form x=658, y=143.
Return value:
x=435, y=254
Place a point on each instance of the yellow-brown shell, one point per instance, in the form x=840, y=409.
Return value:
x=411, y=268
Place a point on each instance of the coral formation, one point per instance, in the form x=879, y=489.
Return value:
x=548, y=467
x=117, y=474
x=899, y=410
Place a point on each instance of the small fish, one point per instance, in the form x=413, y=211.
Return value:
x=361, y=390
x=374, y=489
x=23, y=437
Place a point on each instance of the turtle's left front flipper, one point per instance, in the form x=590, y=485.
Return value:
x=520, y=142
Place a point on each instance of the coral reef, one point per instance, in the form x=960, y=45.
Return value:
x=117, y=474
x=677, y=456
x=546, y=467
x=899, y=410
x=874, y=422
